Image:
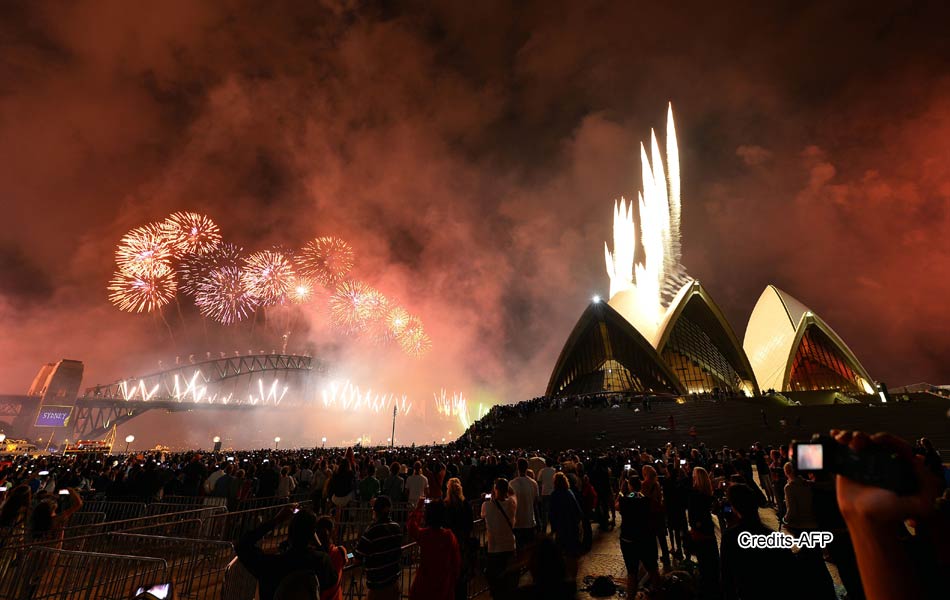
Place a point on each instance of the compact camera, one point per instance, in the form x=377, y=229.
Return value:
x=875, y=465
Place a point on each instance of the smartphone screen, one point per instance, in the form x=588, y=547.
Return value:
x=296, y=510
x=349, y=556
x=3, y=488
x=160, y=591
x=626, y=467
x=682, y=461
x=63, y=492
x=487, y=496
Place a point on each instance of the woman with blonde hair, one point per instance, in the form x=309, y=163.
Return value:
x=702, y=533
x=459, y=519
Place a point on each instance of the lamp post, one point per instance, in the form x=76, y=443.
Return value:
x=3, y=437
x=128, y=440
x=323, y=442
x=276, y=442
x=392, y=440
x=216, y=439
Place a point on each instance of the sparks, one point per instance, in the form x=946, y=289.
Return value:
x=327, y=259
x=646, y=288
x=269, y=276
x=144, y=252
x=131, y=293
x=191, y=233
x=221, y=296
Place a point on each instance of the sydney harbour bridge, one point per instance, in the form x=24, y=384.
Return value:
x=229, y=382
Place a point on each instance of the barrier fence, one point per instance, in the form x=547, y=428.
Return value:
x=51, y=574
x=195, y=547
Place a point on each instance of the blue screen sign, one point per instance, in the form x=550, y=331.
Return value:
x=53, y=416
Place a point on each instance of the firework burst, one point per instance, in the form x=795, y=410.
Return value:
x=136, y=294
x=269, y=276
x=302, y=290
x=191, y=233
x=145, y=253
x=193, y=268
x=327, y=259
x=413, y=340
x=221, y=296
x=355, y=306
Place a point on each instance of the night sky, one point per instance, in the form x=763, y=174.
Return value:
x=471, y=152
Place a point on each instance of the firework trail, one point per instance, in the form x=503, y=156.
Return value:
x=191, y=233
x=193, y=268
x=132, y=293
x=269, y=276
x=144, y=252
x=452, y=406
x=413, y=340
x=327, y=259
x=221, y=296
x=349, y=397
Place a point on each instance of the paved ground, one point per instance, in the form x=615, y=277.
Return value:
x=605, y=557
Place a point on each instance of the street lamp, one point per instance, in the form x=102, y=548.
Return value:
x=3, y=437
x=216, y=439
x=276, y=442
x=128, y=440
x=323, y=442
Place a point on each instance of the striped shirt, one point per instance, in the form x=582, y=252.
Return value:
x=380, y=550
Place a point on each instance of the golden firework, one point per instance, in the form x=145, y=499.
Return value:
x=268, y=276
x=141, y=294
x=327, y=259
x=144, y=252
x=191, y=233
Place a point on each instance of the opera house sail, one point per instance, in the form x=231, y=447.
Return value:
x=700, y=347
x=792, y=349
x=604, y=353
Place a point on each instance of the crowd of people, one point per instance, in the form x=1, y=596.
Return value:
x=681, y=510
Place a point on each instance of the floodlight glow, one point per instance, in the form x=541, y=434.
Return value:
x=595, y=299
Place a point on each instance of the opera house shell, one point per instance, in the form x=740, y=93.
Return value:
x=792, y=349
x=604, y=353
x=700, y=347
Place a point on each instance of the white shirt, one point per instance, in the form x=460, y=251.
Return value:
x=500, y=536
x=546, y=477
x=526, y=491
x=212, y=479
x=416, y=487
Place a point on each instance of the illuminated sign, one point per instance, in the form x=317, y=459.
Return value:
x=53, y=416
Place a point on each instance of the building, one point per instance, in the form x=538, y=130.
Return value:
x=791, y=349
x=605, y=353
x=700, y=347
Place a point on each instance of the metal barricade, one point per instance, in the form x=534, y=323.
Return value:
x=139, y=522
x=115, y=511
x=50, y=574
x=161, y=508
x=197, y=500
x=239, y=583
x=229, y=527
x=196, y=567
x=80, y=519
x=354, y=576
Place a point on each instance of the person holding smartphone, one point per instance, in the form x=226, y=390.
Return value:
x=47, y=522
x=302, y=553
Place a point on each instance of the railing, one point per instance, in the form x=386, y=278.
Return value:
x=196, y=549
x=115, y=511
x=239, y=583
x=196, y=567
x=230, y=526
x=50, y=574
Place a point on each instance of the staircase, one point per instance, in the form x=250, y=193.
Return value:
x=729, y=423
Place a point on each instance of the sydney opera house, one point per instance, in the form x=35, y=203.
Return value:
x=661, y=332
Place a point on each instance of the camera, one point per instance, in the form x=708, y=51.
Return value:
x=876, y=466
